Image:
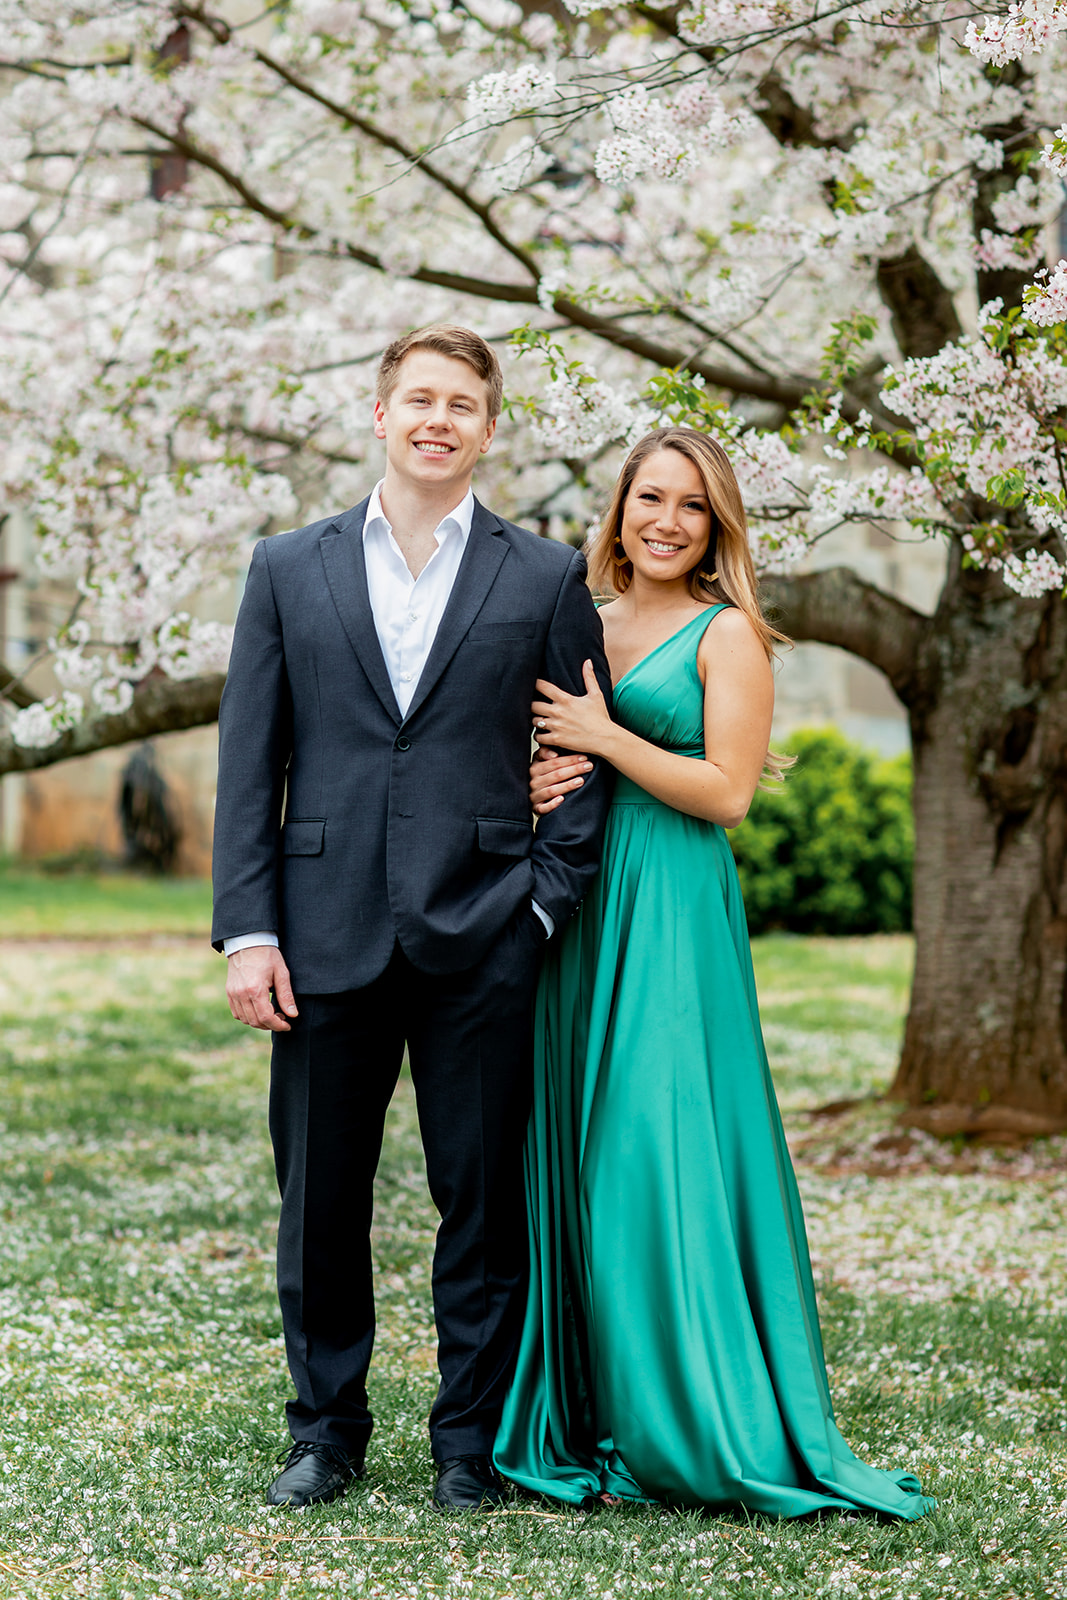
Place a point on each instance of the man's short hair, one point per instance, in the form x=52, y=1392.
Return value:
x=459, y=343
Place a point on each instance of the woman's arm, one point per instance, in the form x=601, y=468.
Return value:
x=738, y=703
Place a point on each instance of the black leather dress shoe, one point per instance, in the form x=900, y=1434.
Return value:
x=313, y=1474
x=467, y=1483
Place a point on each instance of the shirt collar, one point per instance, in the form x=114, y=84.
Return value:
x=457, y=521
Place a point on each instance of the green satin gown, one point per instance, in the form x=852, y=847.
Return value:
x=671, y=1348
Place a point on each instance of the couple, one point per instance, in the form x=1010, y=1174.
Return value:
x=379, y=883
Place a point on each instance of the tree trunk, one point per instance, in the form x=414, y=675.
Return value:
x=985, y=683
x=985, y=1047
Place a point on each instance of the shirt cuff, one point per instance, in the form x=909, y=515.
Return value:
x=550, y=926
x=245, y=941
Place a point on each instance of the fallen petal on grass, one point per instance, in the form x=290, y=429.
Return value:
x=142, y=1373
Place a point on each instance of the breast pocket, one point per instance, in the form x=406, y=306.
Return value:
x=501, y=632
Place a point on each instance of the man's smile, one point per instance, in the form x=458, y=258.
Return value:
x=427, y=447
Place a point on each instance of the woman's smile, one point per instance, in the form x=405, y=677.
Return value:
x=666, y=519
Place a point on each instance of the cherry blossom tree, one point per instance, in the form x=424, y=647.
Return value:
x=818, y=230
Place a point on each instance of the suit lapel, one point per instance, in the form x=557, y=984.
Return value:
x=341, y=547
x=477, y=573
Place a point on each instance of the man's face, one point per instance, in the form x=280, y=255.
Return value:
x=435, y=423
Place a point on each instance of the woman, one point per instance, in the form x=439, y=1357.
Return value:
x=671, y=1348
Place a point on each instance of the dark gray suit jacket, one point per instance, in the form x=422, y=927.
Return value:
x=414, y=828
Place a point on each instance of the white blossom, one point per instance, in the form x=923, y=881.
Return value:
x=1049, y=305
x=75, y=670
x=1028, y=27
x=781, y=554
x=577, y=418
x=1033, y=574
x=647, y=140
x=995, y=250
x=1024, y=206
x=501, y=95
x=1054, y=154
x=181, y=377
x=985, y=154
x=42, y=724
x=112, y=696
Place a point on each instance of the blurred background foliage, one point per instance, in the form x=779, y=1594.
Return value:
x=832, y=851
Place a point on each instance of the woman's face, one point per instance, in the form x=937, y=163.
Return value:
x=666, y=518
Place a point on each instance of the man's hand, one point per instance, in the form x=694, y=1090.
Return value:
x=251, y=975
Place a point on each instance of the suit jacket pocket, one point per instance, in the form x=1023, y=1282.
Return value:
x=501, y=836
x=500, y=632
x=303, y=837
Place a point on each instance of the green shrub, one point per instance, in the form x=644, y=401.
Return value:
x=831, y=853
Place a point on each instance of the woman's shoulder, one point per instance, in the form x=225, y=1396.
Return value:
x=729, y=622
x=731, y=630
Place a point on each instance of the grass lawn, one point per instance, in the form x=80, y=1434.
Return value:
x=142, y=1375
x=112, y=905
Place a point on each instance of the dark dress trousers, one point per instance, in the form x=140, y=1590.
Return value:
x=396, y=858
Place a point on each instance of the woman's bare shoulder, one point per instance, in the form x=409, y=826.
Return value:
x=731, y=627
x=732, y=645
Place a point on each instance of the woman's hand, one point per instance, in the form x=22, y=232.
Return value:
x=552, y=776
x=572, y=721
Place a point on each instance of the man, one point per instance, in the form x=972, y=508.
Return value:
x=378, y=882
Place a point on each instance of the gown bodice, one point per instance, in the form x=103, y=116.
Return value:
x=661, y=699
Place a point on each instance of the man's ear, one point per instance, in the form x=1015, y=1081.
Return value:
x=379, y=420
x=486, y=442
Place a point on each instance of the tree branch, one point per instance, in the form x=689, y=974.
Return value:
x=787, y=392
x=834, y=606
x=12, y=688
x=161, y=705
x=923, y=314
x=221, y=31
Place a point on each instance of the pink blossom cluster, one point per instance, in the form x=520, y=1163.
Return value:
x=884, y=495
x=579, y=414
x=666, y=138
x=781, y=553
x=711, y=21
x=1033, y=574
x=1027, y=27
x=1054, y=154
x=996, y=250
x=647, y=140
x=1048, y=303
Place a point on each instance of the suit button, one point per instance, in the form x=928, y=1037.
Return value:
x=402, y=743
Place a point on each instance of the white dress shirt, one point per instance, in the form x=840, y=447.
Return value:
x=407, y=613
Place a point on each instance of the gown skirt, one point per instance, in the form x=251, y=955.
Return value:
x=671, y=1348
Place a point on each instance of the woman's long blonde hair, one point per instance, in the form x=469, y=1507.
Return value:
x=726, y=571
